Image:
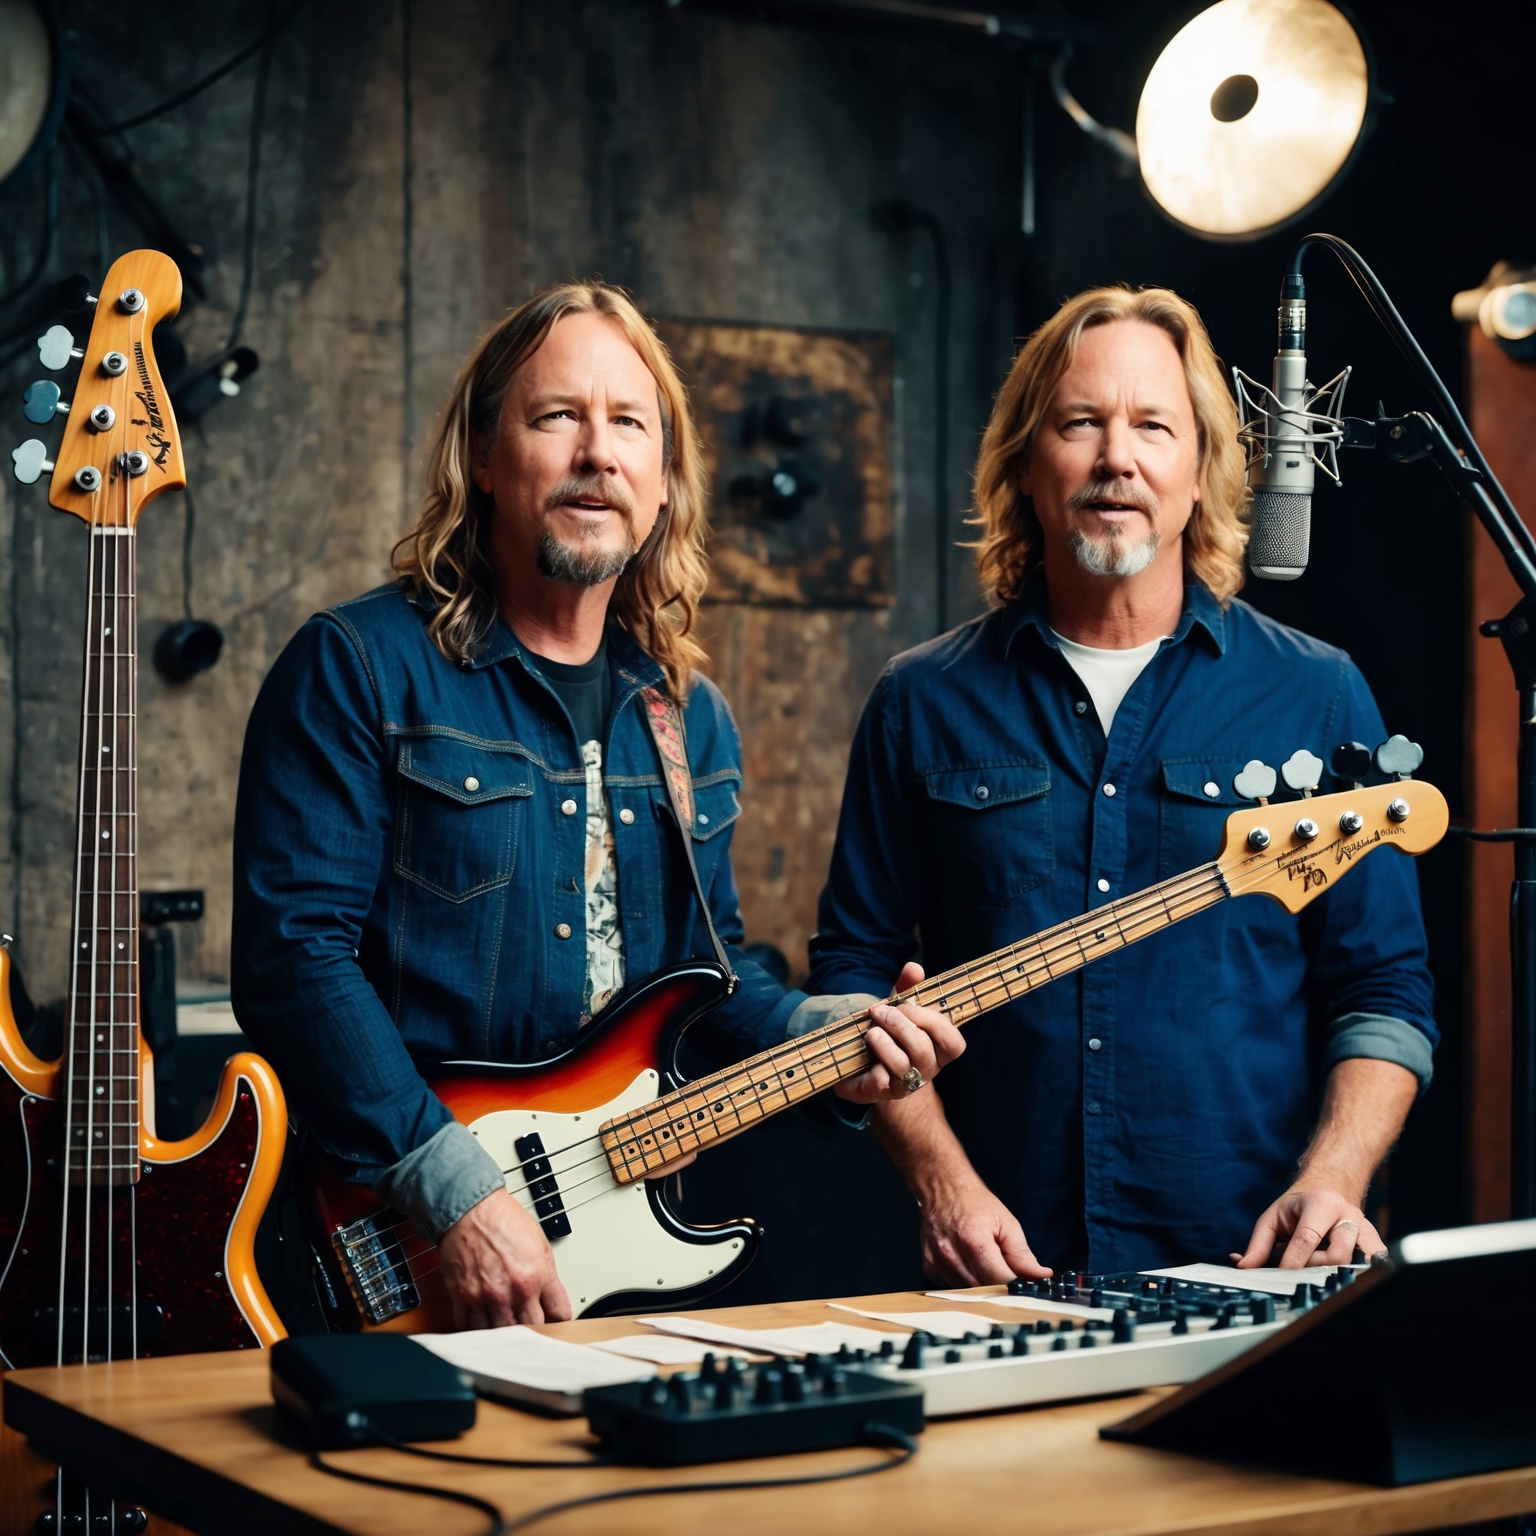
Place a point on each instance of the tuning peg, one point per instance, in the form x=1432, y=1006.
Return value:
x=1352, y=761
x=1255, y=782
x=1302, y=770
x=40, y=403
x=74, y=293
x=55, y=347
x=1399, y=756
x=30, y=461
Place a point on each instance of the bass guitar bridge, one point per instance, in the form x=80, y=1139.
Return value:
x=375, y=1266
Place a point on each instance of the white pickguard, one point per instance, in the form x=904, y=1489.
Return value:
x=615, y=1243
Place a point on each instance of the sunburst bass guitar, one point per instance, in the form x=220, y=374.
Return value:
x=113, y=1243
x=584, y=1138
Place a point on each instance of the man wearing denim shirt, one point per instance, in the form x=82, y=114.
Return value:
x=1227, y=1087
x=452, y=839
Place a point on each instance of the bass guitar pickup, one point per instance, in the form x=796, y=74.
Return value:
x=543, y=1187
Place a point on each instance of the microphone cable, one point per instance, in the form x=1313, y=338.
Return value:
x=874, y=1434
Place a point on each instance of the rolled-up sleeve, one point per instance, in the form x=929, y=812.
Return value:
x=1368, y=972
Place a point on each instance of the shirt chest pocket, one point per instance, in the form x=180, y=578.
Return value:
x=1197, y=797
x=459, y=815
x=991, y=830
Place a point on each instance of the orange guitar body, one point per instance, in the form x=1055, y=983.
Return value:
x=195, y=1209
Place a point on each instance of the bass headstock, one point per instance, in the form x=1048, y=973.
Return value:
x=120, y=447
x=1294, y=850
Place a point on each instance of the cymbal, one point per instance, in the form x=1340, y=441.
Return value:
x=1250, y=113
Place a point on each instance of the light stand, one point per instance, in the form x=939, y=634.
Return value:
x=1405, y=439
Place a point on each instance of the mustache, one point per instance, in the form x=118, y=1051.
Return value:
x=593, y=487
x=1112, y=490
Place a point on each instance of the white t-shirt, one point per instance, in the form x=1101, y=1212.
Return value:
x=1107, y=675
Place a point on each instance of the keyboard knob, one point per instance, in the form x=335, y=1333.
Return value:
x=1124, y=1327
x=835, y=1383
x=1262, y=1308
x=678, y=1394
x=708, y=1366
x=1059, y=1342
x=1181, y=1325
x=951, y=1357
x=1088, y=1341
x=995, y=1351
x=912, y=1355
x=794, y=1385
x=1041, y=1326
x=1018, y=1287
x=1020, y=1343
x=1096, y=1298
x=770, y=1385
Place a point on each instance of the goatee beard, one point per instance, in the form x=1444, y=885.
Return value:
x=583, y=567
x=584, y=564
x=1110, y=557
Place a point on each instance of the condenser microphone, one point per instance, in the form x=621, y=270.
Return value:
x=1282, y=473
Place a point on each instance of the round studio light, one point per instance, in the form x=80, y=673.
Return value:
x=1251, y=113
x=32, y=83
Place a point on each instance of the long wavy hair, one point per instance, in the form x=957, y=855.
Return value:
x=1217, y=533
x=445, y=559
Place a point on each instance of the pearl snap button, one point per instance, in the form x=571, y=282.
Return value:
x=1103, y=885
x=703, y=819
x=1081, y=706
x=982, y=791
x=471, y=783
x=562, y=930
x=627, y=816
x=1213, y=789
x=1109, y=789
x=1095, y=1044
x=567, y=807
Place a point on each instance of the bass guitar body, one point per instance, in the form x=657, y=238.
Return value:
x=173, y=1254
x=619, y=1247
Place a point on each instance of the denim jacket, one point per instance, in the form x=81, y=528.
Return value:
x=409, y=871
x=1143, y=1110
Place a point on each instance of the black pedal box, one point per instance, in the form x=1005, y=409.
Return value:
x=735, y=1413
x=332, y=1386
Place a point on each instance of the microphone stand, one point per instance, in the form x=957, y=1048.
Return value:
x=1405, y=440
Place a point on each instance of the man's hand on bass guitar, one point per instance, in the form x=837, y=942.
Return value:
x=903, y=1040
x=498, y=1268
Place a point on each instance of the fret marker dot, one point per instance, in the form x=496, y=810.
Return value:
x=106, y=834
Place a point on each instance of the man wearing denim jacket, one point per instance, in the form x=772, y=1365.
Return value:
x=452, y=839
x=1225, y=1088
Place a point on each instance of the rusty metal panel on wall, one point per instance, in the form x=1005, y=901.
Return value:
x=796, y=427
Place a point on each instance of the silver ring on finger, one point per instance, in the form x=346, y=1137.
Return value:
x=913, y=1079
x=1353, y=1225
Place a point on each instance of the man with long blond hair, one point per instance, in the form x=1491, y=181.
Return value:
x=453, y=838
x=1228, y=1088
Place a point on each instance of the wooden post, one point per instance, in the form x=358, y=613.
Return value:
x=1503, y=417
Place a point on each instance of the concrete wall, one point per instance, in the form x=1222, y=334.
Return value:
x=422, y=169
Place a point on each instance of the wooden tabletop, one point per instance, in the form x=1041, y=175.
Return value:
x=196, y=1438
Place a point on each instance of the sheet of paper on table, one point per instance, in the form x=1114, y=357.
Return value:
x=1028, y=1304
x=666, y=1348
x=944, y=1325
x=816, y=1338
x=523, y=1366
x=1274, y=1282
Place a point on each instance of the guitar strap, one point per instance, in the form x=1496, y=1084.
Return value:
x=665, y=720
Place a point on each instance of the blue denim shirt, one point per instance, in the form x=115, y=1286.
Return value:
x=405, y=864
x=1146, y=1109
